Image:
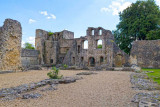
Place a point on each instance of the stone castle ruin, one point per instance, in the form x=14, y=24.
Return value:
x=62, y=48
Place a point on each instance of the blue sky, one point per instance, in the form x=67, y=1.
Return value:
x=57, y=15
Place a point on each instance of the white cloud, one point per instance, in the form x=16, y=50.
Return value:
x=116, y=7
x=44, y=13
x=31, y=21
x=48, y=16
x=158, y=2
x=31, y=40
x=52, y=16
x=104, y=9
x=22, y=44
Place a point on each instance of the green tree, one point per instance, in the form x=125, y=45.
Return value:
x=99, y=46
x=124, y=42
x=138, y=22
x=153, y=35
x=28, y=46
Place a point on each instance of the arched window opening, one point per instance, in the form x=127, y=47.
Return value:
x=92, y=32
x=85, y=46
x=73, y=60
x=51, y=61
x=78, y=48
x=91, y=61
x=99, y=44
x=100, y=32
x=101, y=59
x=82, y=59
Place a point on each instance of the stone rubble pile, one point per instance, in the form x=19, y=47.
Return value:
x=141, y=81
x=14, y=92
x=147, y=99
x=32, y=95
x=86, y=73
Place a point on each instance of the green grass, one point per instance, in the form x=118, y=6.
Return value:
x=155, y=75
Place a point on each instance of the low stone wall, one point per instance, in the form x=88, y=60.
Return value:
x=146, y=53
x=29, y=57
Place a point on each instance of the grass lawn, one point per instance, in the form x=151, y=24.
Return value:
x=155, y=75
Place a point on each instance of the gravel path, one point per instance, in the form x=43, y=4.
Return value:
x=19, y=78
x=106, y=89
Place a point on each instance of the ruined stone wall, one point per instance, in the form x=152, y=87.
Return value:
x=108, y=56
x=41, y=36
x=120, y=58
x=53, y=48
x=146, y=53
x=51, y=52
x=68, y=34
x=72, y=53
x=62, y=48
x=65, y=45
x=10, y=45
x=29, y=57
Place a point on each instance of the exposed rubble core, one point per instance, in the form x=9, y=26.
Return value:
x=10, y=45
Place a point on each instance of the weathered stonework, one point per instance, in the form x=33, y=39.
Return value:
x=63, y=48
x=146, y=53
x=10, y=45
x=108, y=56
x=29, y=57
x=53, y=48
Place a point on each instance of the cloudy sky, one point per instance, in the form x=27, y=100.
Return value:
x=57, y=15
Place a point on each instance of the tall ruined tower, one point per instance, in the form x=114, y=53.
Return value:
x=53, y=48
x=10, y=45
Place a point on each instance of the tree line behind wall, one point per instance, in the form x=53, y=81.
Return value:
x=140, y=21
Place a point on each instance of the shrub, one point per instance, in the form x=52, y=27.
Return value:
x=54, y=74
x=65, y=66
x=50, y=33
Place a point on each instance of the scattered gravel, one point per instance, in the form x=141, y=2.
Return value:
x=106, y=89
x=19, y=78
x=86, y=73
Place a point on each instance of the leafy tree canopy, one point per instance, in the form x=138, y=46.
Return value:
x=28, y=46
x=140, y=21
x=99, y=46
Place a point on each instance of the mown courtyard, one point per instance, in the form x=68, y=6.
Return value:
x=155, y=75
